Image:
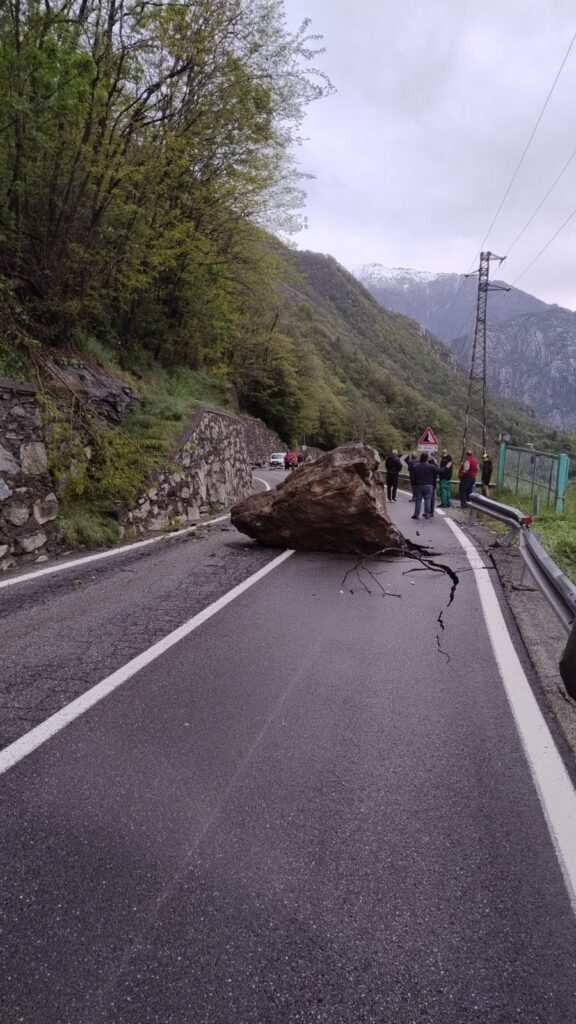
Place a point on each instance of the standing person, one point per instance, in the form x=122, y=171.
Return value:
x=467, y=473
x=432, y=462
x=393, y=466
x=412, y=460
x=424, y=480
x=445, y=474
x=486, y=475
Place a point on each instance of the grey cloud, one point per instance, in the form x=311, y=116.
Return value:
x=435, y=102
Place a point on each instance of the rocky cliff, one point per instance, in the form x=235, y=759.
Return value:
x=532, y=359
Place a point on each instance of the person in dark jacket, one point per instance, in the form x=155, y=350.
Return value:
x=445, y=475
x=424, y=482
x=411, y=462
x=487, y=468
x=467, y=473
x=393, y=467
x=432, y=462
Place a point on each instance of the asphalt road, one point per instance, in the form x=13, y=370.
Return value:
x=314, y=808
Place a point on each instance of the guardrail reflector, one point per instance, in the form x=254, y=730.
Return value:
x=526, y=520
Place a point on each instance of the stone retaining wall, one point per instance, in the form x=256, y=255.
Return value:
x=28, y=506
x=261, y=442
x=210, y=471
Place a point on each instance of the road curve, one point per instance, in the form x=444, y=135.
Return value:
x=315, y=808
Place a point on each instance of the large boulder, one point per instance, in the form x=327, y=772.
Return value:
x=336, y=503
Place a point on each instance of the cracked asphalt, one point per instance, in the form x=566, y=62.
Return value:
x=303, y=812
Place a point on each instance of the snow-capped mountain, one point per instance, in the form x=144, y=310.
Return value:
x=443, y=303
x=531, y=345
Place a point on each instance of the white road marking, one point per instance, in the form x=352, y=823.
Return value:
x=110, y=553
x=14, y=753
x=553, y=784
x=261, y=481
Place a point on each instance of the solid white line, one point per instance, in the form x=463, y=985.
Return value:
x=61, y=566
x=111, y=552
x=553, y=784
x=37, y=736
x=261, y=481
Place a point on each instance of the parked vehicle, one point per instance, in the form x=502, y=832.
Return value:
x=276, y=460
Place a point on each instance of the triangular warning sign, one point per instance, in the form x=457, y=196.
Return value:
x=428, y=437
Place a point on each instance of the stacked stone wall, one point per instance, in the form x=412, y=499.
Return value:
x=29, y=531
x=261, y=441
x=210, y=471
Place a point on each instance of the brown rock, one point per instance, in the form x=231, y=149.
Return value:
x=336, y=503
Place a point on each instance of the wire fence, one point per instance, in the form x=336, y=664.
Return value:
x=532, y=474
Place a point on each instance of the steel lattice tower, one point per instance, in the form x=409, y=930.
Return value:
x=475, y=419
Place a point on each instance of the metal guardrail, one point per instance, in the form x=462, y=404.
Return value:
x=555, y=586
x=496, y=509
x=558, y=590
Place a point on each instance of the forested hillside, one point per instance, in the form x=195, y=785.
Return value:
x=381, y=375
x=143, y=146
x=145, y=175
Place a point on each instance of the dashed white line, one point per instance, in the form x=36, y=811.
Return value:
x=16, y=751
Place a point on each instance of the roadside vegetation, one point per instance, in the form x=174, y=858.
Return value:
x=556, y=532
x=121, y=459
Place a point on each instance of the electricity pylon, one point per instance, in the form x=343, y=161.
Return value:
x=475, y=419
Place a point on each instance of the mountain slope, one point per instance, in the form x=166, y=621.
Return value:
x=533, y=358
x=443, y=303
x=531, y=344
x=371, y=359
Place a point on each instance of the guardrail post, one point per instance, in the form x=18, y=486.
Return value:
x=561, y=481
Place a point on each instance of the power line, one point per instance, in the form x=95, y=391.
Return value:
x=541, y=204
x=526, y=147
x=544, y=247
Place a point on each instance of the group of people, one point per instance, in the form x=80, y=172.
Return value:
x=294, y=459
x=426, y=474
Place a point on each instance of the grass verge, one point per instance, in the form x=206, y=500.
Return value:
x=123, y=459
x=556, y=531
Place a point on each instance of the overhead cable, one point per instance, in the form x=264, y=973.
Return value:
x=544, y=247
x=541, y=204
x=526, y=147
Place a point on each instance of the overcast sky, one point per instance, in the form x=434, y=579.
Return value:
x=435, y=102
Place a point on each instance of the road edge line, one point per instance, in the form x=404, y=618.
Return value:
x=551, y=779
x=33, y=739
x=110, y=553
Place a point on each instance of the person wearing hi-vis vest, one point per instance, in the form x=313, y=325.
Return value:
x=467, y=473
